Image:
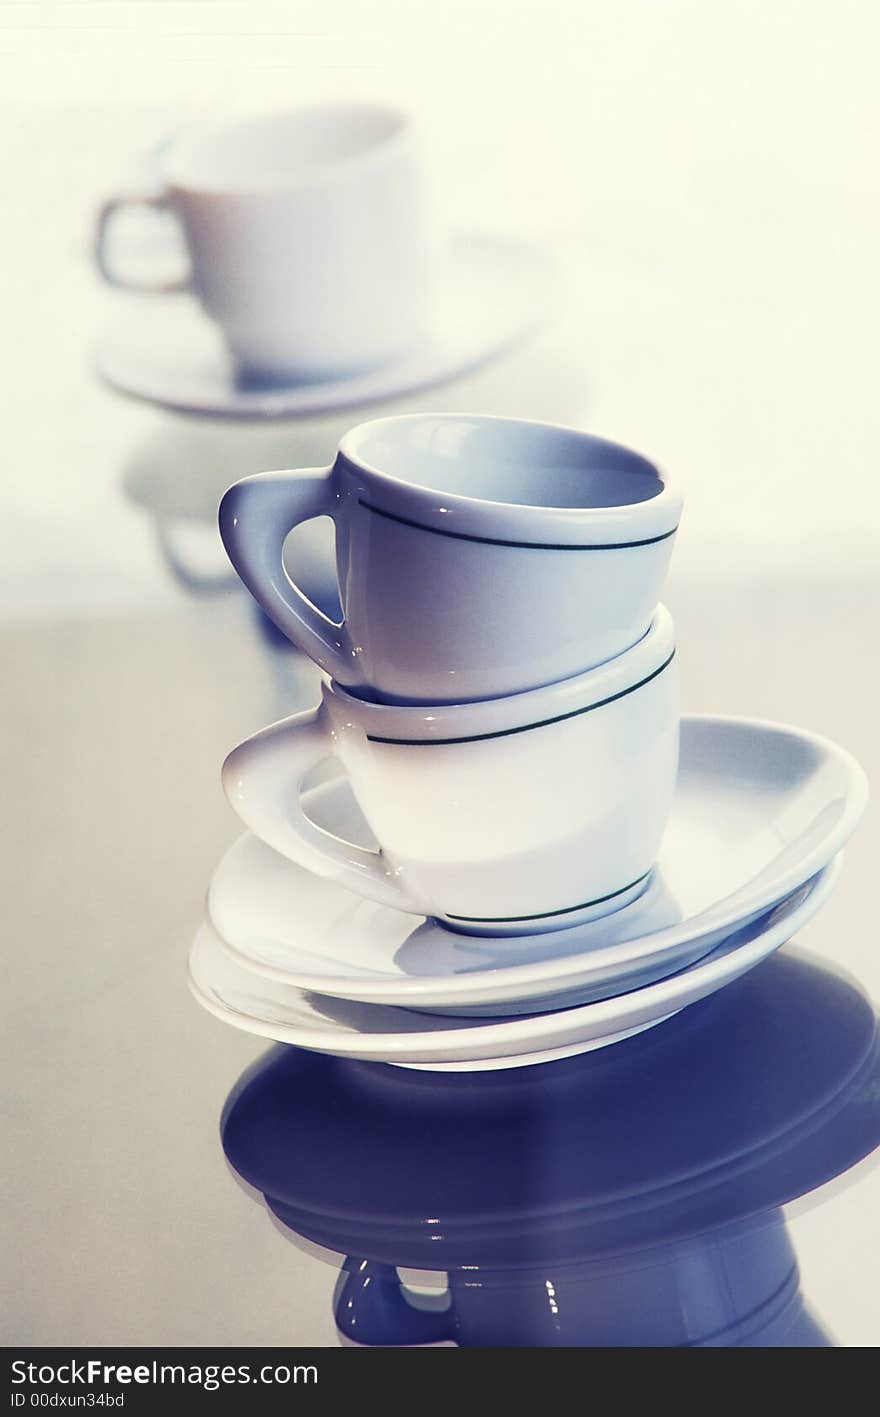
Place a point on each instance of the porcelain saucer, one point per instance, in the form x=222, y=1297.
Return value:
x=758, y=809
x=248, y=1001
x=494, y=290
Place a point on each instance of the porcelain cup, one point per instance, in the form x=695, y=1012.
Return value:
x=526, y=813
x=476, y=556
x=307, y=233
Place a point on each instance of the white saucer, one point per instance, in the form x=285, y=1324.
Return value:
x=494, y=289
x=758, y=810
x=248, y=1001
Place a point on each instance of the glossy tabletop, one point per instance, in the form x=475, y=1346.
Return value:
x=115, y=1079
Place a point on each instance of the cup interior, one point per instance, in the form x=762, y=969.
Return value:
x=282, y=149
x=504, y=460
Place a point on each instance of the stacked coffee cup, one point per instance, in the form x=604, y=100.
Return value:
x=502, y=687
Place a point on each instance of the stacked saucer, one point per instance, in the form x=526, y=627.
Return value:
x=516, y=864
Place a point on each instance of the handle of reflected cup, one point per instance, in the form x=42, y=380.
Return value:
x=256, y=516
x=371, y=1307
x=153, y=201
x=192, y=581
x=263, y=779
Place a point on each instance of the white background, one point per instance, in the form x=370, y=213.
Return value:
x=711, y=165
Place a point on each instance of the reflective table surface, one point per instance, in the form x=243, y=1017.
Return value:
x=124, y=1224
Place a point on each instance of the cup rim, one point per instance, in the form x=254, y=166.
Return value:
x=514, y=713
x=622, y=526
x=181, y=146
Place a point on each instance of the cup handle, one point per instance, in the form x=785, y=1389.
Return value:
x=371, y=1308
x=263, y=779
x=256, y=516
x=106, y=214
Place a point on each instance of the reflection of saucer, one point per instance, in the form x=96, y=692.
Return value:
x=493, y=290
x=757, y=810
x=240, y=997
x=744, y=1103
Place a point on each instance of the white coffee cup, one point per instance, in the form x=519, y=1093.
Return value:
x=476, y=556
x=527, y=813
x=307, y=233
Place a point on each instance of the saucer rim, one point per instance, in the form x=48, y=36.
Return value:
x=476, y=986
x=716, y=970
x=539, y=1056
